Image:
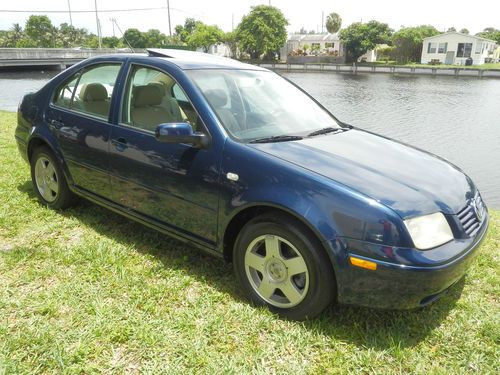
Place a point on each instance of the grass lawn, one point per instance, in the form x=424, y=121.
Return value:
x=87, y=291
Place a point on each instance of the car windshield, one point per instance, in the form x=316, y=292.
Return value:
x=261, y=105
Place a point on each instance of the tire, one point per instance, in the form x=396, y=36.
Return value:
x=281, y=265
x=48, y=180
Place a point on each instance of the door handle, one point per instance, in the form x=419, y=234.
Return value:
x=120, y=144
x=56, y=124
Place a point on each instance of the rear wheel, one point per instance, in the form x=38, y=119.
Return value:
x=48, y=180
x=279, y=264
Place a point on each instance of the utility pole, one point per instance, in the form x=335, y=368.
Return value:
x=113, y=24
x=232, y=21
x=322, y=20
x=97, y=24
x=70, y=18
x=169, y=25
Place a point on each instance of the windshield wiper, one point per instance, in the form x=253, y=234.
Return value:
x=277, y=138
x=325, y=131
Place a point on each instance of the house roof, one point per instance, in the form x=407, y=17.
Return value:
x=461, y=34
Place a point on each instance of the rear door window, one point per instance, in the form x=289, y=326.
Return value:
x=89, y=91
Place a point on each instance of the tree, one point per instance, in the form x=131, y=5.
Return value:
x=451, y=30
x=111, y=42
x=135, y=38
x=184, y=31
x=464, y=31
x=490, y=33
x=231, y=40
x=358, y=38
x=69, y=36
x=333, y=23
x=407, y=42
x=15, y=34
x=155, y=38
x=204, y=36
x=262, y=31
x=40, y=31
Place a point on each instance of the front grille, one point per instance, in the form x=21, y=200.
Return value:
x=472, y=215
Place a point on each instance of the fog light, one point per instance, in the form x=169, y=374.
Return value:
x=363, y=263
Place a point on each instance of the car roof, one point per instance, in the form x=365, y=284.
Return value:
x=198, y=60
x=190, y=60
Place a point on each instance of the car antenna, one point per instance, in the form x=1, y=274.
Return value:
x=123, y=35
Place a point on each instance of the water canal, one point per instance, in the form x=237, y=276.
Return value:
x=457, y=118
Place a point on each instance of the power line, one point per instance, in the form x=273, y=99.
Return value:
x=85, y=11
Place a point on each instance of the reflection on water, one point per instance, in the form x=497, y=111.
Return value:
x=455, y=118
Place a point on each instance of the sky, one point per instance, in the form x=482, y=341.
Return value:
x=227, y=14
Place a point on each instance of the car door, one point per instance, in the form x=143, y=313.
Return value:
x=79, y=116
x=175, y=185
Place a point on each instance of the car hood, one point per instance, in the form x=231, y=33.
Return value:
x=410, y=181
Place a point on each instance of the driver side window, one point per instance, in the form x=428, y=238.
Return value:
x=150, y=101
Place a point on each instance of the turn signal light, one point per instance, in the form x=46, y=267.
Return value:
x=363, y=263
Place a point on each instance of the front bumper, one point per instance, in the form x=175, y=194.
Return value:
x=406, y=278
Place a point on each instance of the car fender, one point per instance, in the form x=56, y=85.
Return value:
x=41, y=133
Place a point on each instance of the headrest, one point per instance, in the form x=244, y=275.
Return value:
x=147, y=95
x=161, y=87
x=216, y=97
x=93, y=92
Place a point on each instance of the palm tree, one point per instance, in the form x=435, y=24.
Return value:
x=333, y=22
x=15, y=34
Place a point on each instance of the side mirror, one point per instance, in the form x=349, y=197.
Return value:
x=180, y=132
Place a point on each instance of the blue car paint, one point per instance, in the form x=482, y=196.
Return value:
x=337, y=185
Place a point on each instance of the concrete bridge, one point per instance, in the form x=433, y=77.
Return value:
x=52, y=58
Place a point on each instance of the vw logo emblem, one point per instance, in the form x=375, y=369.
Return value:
x=477, y=210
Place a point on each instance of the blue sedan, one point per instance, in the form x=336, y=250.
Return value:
x=245, y=165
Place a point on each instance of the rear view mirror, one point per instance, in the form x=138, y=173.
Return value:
x=181, y=132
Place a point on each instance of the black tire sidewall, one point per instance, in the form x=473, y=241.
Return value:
x=64, y=197
x=321, y=289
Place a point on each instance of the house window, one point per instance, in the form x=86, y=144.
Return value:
x=479, y=47
x=443, y=47
x=431, y=48
x=329, y=45
x=464, y=49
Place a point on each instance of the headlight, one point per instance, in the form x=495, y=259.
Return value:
x=429, y=231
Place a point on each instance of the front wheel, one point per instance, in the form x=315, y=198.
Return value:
x=281, y=265
x=48, y=180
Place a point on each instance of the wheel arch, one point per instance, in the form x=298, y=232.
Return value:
x=238, y=221
x=38, y=140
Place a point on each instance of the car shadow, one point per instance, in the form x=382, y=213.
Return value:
x=364, y=327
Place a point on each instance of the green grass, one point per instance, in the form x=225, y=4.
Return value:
x=87, y=291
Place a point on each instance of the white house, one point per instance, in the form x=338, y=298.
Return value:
x=455, y=48
x=372, y=55
x=318, y=43
x=219, y=49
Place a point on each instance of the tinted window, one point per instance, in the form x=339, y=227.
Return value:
x=152, y=98
x=89, y=91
